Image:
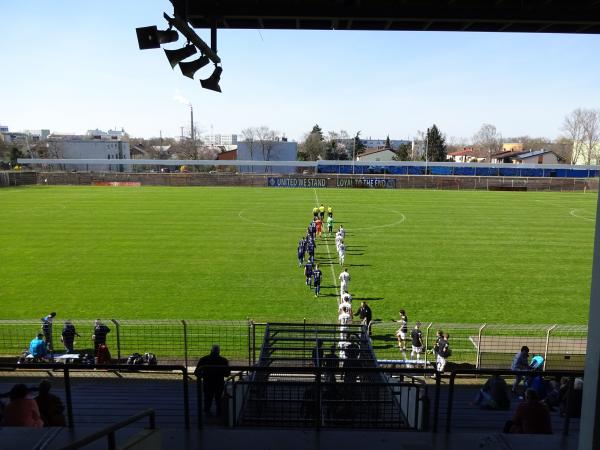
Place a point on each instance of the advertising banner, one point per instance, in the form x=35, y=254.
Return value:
x=297, y=182
x=369, y=183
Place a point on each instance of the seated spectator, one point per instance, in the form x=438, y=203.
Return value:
x=493, y=394
x=37, y=347
x=531, y=416
x=50, y=406
x=21, y=411
x=570, y=402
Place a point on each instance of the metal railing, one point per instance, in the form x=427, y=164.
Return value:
x=110, y=431
x=317, y=397
x=90, y=389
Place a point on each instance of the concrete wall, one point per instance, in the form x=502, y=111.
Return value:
x=331, y=181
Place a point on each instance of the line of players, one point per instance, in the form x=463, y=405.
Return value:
x=308, y=244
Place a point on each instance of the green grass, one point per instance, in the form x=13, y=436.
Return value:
x=229, y=253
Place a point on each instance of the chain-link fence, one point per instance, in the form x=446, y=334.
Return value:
x=563, y=347
x=172, y=341
x=490, y=346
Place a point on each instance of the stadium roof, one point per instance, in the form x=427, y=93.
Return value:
x=530, y=16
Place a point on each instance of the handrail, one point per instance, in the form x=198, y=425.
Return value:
x=68, y=368
x=524, y=373
x=109, y=431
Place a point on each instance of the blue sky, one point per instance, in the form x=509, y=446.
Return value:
x=71, y=66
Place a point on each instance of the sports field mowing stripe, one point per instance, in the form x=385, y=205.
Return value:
x=230, y=253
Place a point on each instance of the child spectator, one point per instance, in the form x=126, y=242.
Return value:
x=50, y=406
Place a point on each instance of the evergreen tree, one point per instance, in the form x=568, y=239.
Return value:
x=317, y=130
x=388, y=144
x=436, y=145
x=403, y=153
x=359, y=147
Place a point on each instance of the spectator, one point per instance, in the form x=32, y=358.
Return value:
x=212, y=368
x=68, y=336
x=493, y=394
x=331, y=362
x=50, y=406
x=520, y=362
x=531, y=416
x=21, y=411
x=47, y=329
x=37, y=347
x=99, y=336
x=317, y=354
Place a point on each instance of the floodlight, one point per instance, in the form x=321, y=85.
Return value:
x=151, y=37
x=176, y=56
x=212, y=82
x=189, y=68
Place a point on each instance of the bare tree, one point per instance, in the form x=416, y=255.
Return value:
x=249, y=135
x=591, y=135
x=266, y=141
x=488, y=139
x=573, y=128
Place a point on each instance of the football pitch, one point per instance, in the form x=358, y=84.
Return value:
x=230, y=253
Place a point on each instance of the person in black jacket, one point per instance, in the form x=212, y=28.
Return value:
x=365, y=314
x=68, y=336
x=212, y=368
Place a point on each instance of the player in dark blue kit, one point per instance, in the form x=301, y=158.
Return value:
x=308, y=272
x=317, y=280
x=301, y=251
x=310, y=248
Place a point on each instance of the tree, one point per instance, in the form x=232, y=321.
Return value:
x=582, y=128
x=488, y=139
x=317, y=130
x=436, y=145
x=403, y=152
x=388, y=144
x=336, y=145
x=359, y=147
x=266, y=141
x=312, y=148
x=249, y=135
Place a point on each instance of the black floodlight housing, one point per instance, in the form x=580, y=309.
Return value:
x=176, y=56
x=212, y=82
x=151, y=37
x=188, y=69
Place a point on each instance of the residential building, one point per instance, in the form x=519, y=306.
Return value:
x=380, y=143
x=376, y=154
x=3, y=129
x=537, y=157
x=512, y=147
x=23, y=137
x=220, y=139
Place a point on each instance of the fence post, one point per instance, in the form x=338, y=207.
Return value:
x=249, y=326
x=318, y=396
x=185, y=343
x=253, y=343
x=478, y=360
x=68, y=398
x=547, y=344
x=118, y=328
x=186, y=398
x=426, y=341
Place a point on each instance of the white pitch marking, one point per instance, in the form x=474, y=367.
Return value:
x=572, y=213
